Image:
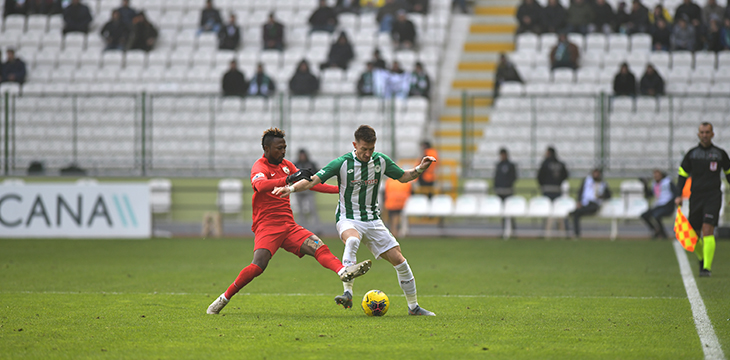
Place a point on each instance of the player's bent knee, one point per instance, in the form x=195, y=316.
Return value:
x=314, y=242
x=261, y=258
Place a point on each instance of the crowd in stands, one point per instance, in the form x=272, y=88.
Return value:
x=690, y=28
x=129, y=29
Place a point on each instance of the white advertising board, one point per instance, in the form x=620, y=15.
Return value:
x=51, y=210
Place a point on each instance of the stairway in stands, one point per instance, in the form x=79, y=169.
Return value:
x=491, y=32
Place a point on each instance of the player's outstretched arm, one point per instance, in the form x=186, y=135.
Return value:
x=414, y=173
x=301, y=185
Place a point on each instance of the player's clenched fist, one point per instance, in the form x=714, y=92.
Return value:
x=305, y=174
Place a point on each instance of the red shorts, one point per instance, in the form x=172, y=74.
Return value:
x=289, y=236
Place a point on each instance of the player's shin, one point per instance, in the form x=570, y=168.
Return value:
x=325, y=257
x=699, y=249
x=708, y=250
x=349, y=256
x=244, y=277
x=407, y=283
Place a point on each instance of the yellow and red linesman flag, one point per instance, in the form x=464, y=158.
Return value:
x=684, y=232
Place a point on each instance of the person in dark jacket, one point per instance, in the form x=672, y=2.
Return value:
x=418, y=6
x=387, y=13
x=115, y=32
x=377, y=60
x=126, y=12
x=234, y=82
x=76, y=18
x=622, y=17
x=689, y=11
x=661, y=36
x=505, y=175
x=366, y=83
x=551, y=175
x=506, y=71
x=564, y=54
x=13, y=70
x=143, y=35
x=340, y=53
x=638, y=19
x=604, y=19
x=651, y=83
x=230, y=35
x=303, y=82
x=324, y=18
x=591, y=194
x=529, y=16
x=210, y=18
x=420, y=82
x=273, y=34
x=580, y=16
x=43, y=7
x=554, y=17
x=261, y=84
x=403, y=32
x=624, y=83
x=351, y=6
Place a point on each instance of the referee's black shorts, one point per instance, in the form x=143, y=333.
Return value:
x=704, y=209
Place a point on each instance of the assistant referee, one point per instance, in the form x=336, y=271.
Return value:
x=704, y=163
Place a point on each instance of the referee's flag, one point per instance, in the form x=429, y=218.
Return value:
x=684, y=232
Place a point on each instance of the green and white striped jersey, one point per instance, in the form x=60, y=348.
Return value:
x=359, y=183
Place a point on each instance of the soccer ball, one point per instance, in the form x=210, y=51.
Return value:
x=375, y=303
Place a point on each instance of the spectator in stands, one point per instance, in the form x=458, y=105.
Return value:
x=395, y=196
x=371, y=5
x=591, y=194
x=714, y=40
x=377, y=60
x=273, y=33
x=604, y=19
x=622, y=18
x=683, y=36
x=229, y=38
x=529, y=15
x=689, y=11
x=564, y=54
x=663, y=189
x=44, y=7
x=661, y=36
x=210, y=18
x=76, y=18
x=261, y=84
x=403, y=32
x=386, y=14
x=651, y=83
x=506, y=71
x=366, y=83
x=554, y=17
x=427, y=180
x=551, y=175
x=624, y=83
x=340, y=53
x=303, y=82
x=579, y=16
x=115, y=32
x=350, y=6
x=420, y=82
x=712, y=11
x=397, y=83
x=725, y=34
x=659, y=13
x=13, y=70
x=306, y=202
x=418, y=6
x=638, y=19
x=126, y=12
x=143, y=35
x=324, y=18
x=234, y=82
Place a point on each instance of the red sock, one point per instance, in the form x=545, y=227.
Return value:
x=247, y=274
x=325, y=257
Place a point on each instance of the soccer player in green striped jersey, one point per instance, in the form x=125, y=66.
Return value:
x=359, y=175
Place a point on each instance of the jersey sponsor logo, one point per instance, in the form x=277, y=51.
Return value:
x=259, y=175
x=286, y=170
x=377, y=168
x=364, y=182
x=713, y=166
x=350, y=171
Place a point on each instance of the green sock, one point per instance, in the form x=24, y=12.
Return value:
x=708, y=250
x=699, y=249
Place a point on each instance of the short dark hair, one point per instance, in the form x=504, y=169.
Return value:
x=551, y=151
x=270, y=134
x=365, y=133
x=502, y=151
x=705, y=123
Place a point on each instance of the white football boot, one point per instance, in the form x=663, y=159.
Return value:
x=217, y=305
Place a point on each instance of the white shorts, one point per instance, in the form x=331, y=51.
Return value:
x=373, y=233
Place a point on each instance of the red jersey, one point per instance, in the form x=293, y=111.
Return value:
x=268, y=208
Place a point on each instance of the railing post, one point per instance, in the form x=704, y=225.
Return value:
x=393, y=149
x=464, y=115
x=603, y=161
x=7, y=133
x=211, y=133
x=143, y=132
x=75, y=129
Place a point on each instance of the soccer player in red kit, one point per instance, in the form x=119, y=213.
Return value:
x=273, y=221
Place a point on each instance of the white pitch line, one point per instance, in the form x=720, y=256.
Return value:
x=708, y=339
x=396, y=295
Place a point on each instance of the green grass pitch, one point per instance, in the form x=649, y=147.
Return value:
x=518, y=299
